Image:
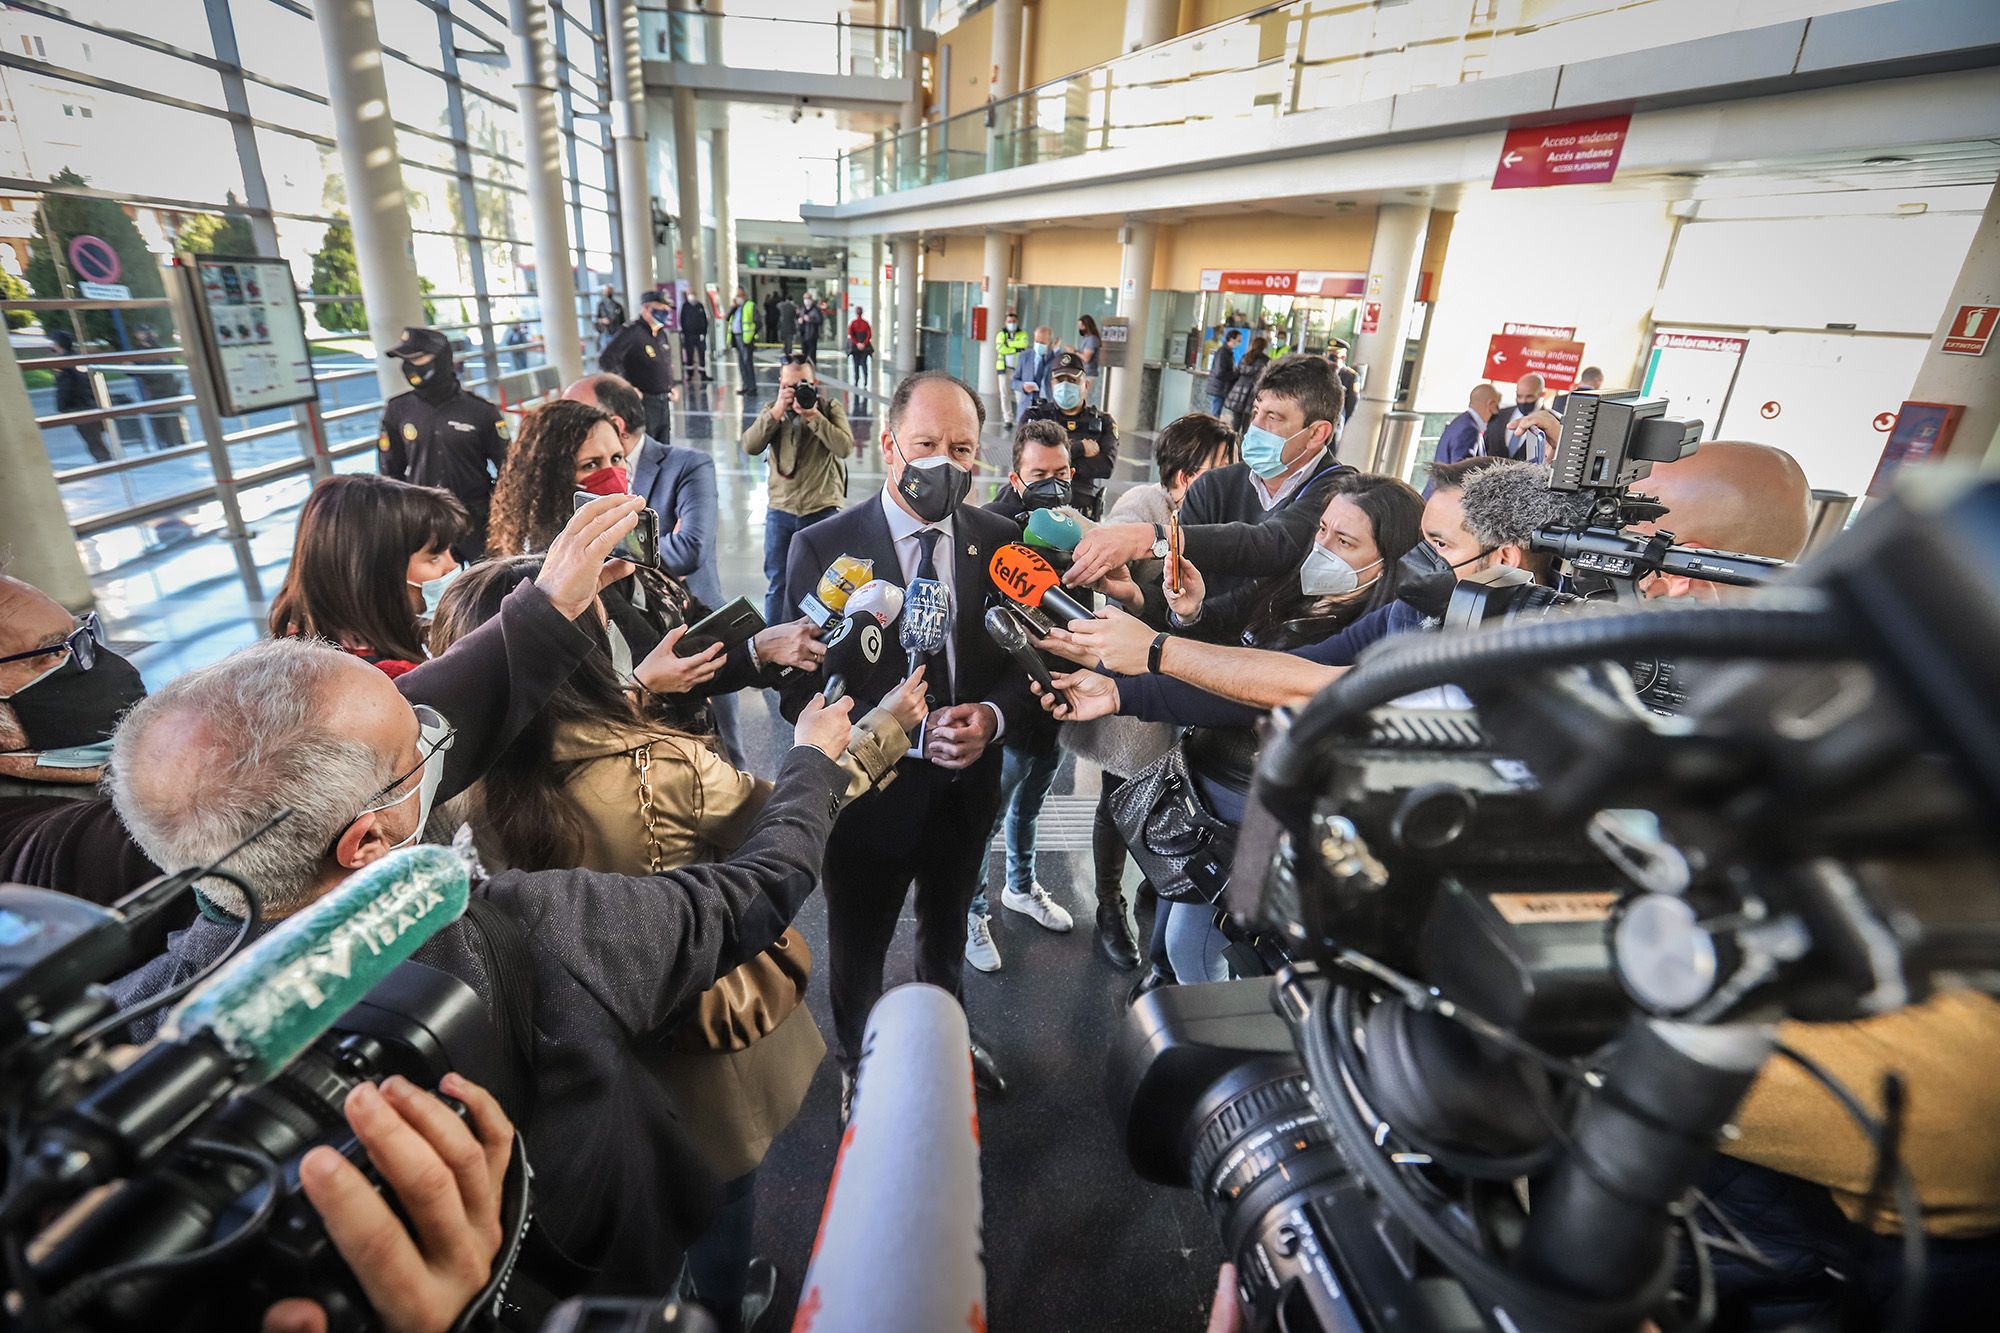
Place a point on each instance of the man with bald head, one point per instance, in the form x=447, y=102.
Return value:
x=1461, y=437
x=1502, y=442
x=1730, y=496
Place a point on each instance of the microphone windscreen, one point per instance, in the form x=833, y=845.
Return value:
x=836, y=585
x=1021, y=575
x=926, y=616
x=286, y=990
x=1054, y=529
x=899, y=1248
x=879, y=598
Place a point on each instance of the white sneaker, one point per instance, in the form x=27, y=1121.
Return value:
x=1047, y=912
x=980, y=951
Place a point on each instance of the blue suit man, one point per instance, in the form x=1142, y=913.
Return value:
x=678, y=484
x=1031, y=371
x=1464, y=436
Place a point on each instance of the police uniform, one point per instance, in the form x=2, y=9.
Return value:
x=1086, y=488
x=440, y=434
x=649, y=360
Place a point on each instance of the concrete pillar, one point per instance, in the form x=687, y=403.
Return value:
x=725, y=217
x=1138, y=242
x=535, y=94
x=1006, y=75
x=373, y=169
x=628, y=134
x=1973, y=381
x=687, y=182
x=999, y=264
x=907, y=334
x=35, y=538
x=1148, y=22
x=878, y=313
x=1392, y=280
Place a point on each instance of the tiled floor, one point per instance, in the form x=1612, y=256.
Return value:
x=1074, y=1241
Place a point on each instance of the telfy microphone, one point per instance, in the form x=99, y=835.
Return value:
x=879, y=598
x=1005, y=630
x=926, y=619
x=892, y=1257
x=1024, y=577
x=854, y=645
x=242, y=1027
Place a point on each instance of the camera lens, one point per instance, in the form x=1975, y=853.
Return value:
x=805, y=394
x=1259, y=1148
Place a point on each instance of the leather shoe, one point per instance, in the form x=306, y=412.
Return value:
x=1152, y=981
x=1115, y=944
x=986, y=1073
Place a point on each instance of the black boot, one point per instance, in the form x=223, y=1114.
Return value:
x=1152, y=981
x=1115, y=944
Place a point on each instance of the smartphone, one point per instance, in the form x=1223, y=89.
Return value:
x=735, y=623
x=641, y=545
x=1174, y=544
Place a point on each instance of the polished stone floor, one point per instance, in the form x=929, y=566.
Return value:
x=1074, y=1241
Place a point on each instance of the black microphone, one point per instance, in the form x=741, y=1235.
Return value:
x=1005, y=630
x=852, y=648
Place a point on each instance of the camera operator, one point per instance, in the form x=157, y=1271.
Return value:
x=1482, y=513
x=295, y=724
x=1255, y=518
x=446, y=1175
x=810, y=442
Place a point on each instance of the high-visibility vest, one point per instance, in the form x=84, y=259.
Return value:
x=1007, y=347
x=743, y=322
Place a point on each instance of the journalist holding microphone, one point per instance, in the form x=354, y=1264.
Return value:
x=948, y=786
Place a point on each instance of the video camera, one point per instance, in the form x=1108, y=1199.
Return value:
x=197, y=1141
x=1536, y=950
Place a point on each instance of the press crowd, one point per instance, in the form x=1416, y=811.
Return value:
x=476, y=646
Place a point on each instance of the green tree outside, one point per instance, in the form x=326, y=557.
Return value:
x=225, y=233
x=62, y=218
x=13, y=289
x=335, y=272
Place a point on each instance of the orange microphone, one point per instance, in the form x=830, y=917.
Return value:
x=1026, y=578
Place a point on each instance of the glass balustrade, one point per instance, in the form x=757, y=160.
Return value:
x=801, y=46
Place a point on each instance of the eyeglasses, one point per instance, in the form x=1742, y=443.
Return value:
x=429, y=722
x=81, y=643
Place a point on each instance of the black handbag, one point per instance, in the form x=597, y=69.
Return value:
x=1176, y=839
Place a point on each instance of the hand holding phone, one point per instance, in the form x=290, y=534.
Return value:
x=642, y=545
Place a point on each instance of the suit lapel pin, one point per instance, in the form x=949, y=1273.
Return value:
x=972, y=550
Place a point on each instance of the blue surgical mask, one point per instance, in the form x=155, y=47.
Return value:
x=1068, y=396
x=1264, y=450
x=433, y=589
x=95, y=755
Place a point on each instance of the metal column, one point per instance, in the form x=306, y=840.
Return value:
x=180, y=280
x=555, y=280
x=628, y=134
x=366, y=135
x=1973, y=381
x=1392, y=281
x=725, y=217
x=908, y=335
x=998, y=268
x=1138, y=243
x=468, y=198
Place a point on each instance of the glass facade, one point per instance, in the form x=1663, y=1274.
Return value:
x=159, y=125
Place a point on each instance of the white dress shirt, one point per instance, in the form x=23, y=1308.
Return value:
x=1272, y=499
x=903, y=529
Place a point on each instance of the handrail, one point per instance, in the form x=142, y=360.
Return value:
x=704, y=16
x=112, y=519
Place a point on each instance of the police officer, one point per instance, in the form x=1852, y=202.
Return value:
x=645, y=354
x=440, y=434
x=1093, y=435
x=1008, y=344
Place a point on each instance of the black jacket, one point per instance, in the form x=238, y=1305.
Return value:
x=444, y=435
x=1233, y=540
x=694, y=318
x=1086, y=423
x=647, y=359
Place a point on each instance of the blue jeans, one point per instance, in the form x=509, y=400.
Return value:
x=778, y=529
x=1194, y=943
x=1215, y=404
x=1025, y=778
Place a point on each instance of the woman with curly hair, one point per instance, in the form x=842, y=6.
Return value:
x=561, y=447
x=370, y=554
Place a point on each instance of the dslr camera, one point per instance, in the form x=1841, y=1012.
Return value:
x=805, y=396
x=1531, y=954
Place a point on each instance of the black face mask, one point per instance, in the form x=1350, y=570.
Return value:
x=72, y=707
x=1527, y=407
x=1424, y=579
x=933, y=493
x=1048, y=493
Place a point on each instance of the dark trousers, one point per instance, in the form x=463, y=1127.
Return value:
x=860, y=360
x=659, y=416
x=746, y=366
x=884, y=842
x=778, y=529
x=719, y=1261
x=694, y=354
x=810, y=346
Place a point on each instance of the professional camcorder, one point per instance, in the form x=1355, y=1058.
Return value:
x=202, y=1224
x=1535, y=951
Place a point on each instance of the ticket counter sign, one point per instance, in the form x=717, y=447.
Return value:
x=1582, y=152
x=1512, y=355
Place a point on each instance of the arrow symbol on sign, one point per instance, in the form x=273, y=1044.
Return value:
x=1512, y=159
x=1499, y=358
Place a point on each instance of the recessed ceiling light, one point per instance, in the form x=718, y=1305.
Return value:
x=1886, y=161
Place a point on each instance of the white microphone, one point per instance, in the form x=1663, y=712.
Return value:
x=898, y=1248
x=879, y=598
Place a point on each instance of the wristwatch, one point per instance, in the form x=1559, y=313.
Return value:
x=1159, y=541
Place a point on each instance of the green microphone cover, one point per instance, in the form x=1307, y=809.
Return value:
x=1055, y=529
x=287, y=989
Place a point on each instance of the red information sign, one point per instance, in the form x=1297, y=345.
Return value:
x=1540, y=330
x=1582, y=152
x=1702, y=342
x=1971, y=330
x=1267, y=281
x=1371, y=317
x=1557, y=360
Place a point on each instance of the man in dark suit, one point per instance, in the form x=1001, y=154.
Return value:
x=1464, y=436
x=1504, y=443
x=949, y=785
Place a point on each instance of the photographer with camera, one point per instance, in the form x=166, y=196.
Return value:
x=810, y=442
